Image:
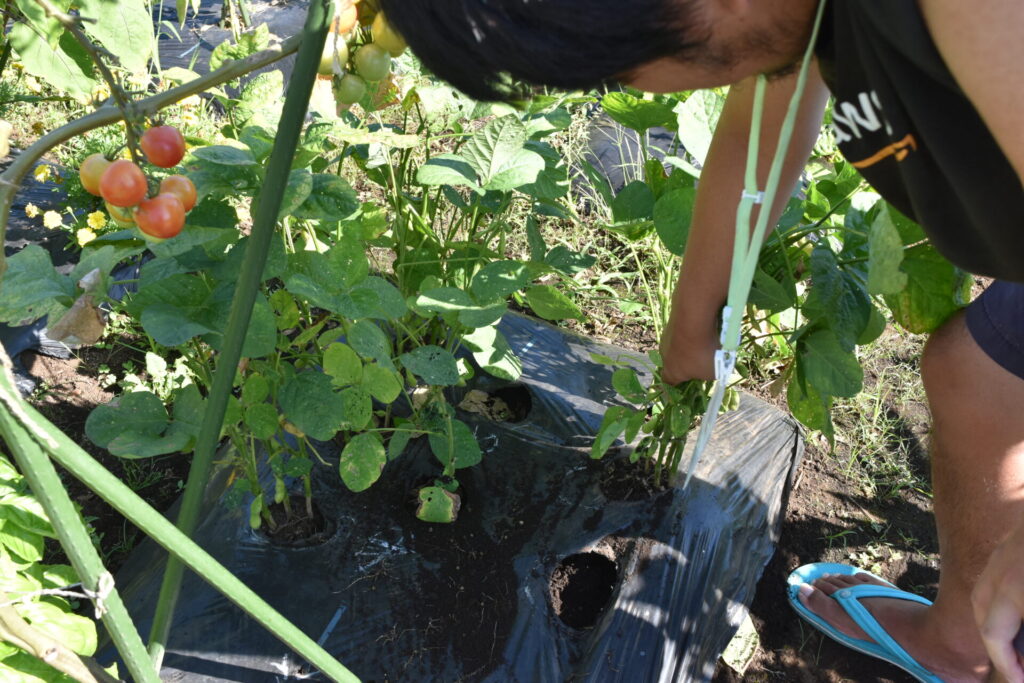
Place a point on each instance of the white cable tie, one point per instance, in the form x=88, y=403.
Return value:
x=104, y=587
x=725, y=363
x=726, y=316
x=758, y=197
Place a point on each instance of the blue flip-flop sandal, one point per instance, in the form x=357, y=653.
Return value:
x=884, y=647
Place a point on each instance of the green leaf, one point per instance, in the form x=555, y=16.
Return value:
x=808, y=406
x=570, y=262
x=886, y=254
x=672, y=215
x=447, y=169
x=633, y=203
x=437, y=505
x=27, y=513
x=458, y=447
x=837, y=297
x=829, y=368
x=933, y=293
x=30, y=288
x=614, y=422
x=496, y=153
x=398, y=441
x=383, y=384
x=499, y=279
x=21, y=542
x=308, y=401
x=627, y=384
x=637, y=114
x=47, y=28
x=434, y=365
x=136, y=426
x=493, y=353
x=66, y=67
x=369, y=341
x=224, y=155
x=124, y=27
x=343, y=364
x=297, y=191
x=697, y=118
x=362, y=461
x=770, y=295
x=358, y=408
x=262, y=420
x=331, y=199
x=876, y=326
x=261, y=99
x=248, y=43
x=551, y=304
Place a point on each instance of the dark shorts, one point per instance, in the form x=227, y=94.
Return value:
x=996, y=321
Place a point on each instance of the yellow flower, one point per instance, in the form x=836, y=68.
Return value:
x=31, y=210
x=189, y=118
x=52, y=220
x=96, y=220
x=85, y=235
x=42, y=173
x=32, y=85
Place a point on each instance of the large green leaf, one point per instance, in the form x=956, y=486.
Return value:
x=436, y=366
x=137, y=426
x=935, y=290
x=331, y=199
x=808, y=406
x=362, y=461
x=493, y=353
x=497, y=154
x=369, y=341
x=46, y=27
x=633, y=203
x=457, y=446
x=260, y=101
x=697, y=119
x=343, y=364
x=499, y=279
x=32, y=289
x=357, y=408
x=637, y=114
x=383, y=384
x=837, y=297
x=551, y=304
x=309, y=402
x=66, y=67
x=829, y=368
x=123, y=27
x=298, y=189
x=447, y=169
x=886, y=254
x=673, y=213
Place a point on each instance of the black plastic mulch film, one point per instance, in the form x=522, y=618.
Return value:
x=554, y=571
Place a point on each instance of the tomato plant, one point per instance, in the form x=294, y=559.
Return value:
x=161, y=217
x=385, y=35
x=164, y=146
x=91, y=171
x=123, y=184
x=350, y=89
x=181, y=187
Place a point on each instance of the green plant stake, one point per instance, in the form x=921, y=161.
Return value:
x=265, y=217
x=747, y=246
x=70, y=528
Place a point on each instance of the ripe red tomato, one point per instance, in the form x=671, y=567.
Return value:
x=181, y=187
x=123, y=183
x=91, y=171
x=161, y=217
x=164, y=146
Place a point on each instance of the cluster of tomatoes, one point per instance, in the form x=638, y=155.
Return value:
x=370, y=62
x=125, y=188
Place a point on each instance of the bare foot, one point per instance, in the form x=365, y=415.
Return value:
x=906, y=622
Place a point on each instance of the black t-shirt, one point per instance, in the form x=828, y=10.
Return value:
x=903, y=121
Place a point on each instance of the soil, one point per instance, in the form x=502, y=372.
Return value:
x=67, y=391
x=581, y=587
x=297, y=528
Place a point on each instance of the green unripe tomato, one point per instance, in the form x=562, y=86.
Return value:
x=350, y=89
x=373, y=62
x=335, y=46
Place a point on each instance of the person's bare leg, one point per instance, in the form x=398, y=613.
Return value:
x=977, y=456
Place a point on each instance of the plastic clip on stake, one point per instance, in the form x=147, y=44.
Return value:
x=747, y=246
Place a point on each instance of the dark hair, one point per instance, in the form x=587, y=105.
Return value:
x=477, y=45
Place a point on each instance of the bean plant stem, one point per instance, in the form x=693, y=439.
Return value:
x=268, y=204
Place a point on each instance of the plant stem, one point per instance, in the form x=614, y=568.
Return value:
x=264, y=222
x=11, y=179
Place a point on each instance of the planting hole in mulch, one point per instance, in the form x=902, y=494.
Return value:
x=625, y=480
x=507, y=404
x=297, y=530
x=581, y=587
